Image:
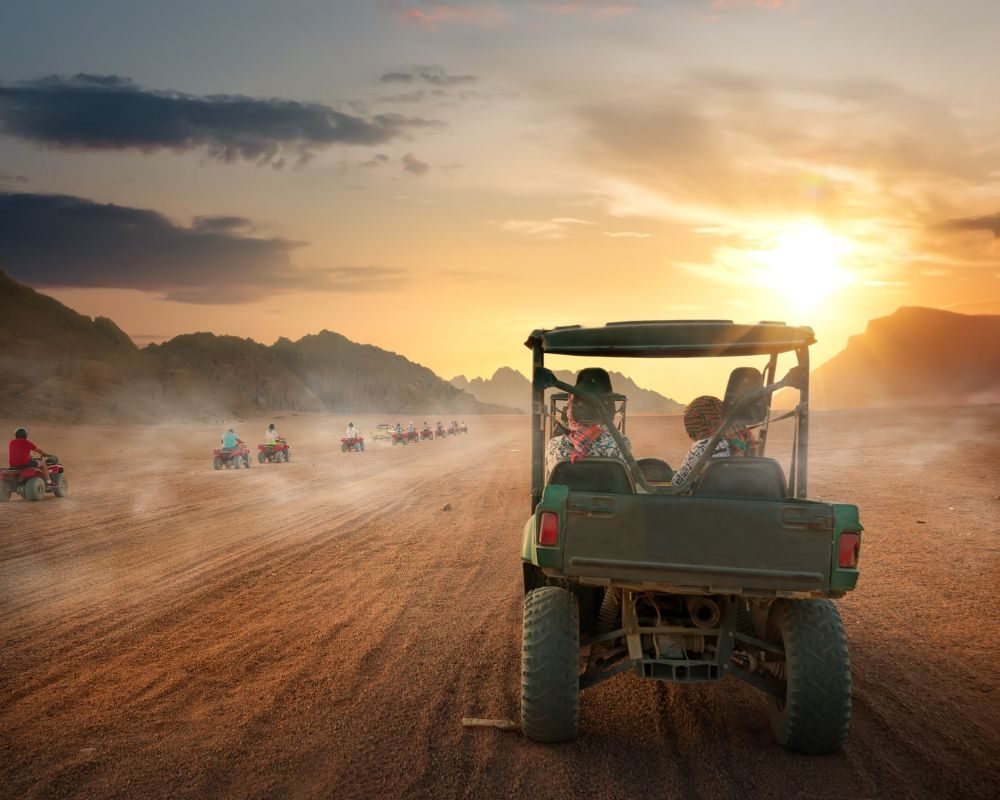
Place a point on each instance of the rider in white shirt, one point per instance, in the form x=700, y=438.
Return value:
x=352, y=432
x=271, y=435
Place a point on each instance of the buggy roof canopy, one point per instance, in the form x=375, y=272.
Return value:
x=673, y=339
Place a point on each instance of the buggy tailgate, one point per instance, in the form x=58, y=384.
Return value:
x=723, y=546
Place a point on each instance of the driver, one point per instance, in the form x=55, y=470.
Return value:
x=271, y=435
x=586, y=434
x=20, y=450
x=351, y=432
x=230, y=440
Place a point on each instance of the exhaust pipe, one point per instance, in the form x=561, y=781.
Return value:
x=704, y=611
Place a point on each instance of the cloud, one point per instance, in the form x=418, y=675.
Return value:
x=595, y=8
x=414, y=165
x=765, y=5
x=535, y=229
x=431, y=15
x=571, y=221
x=628, y=235
x=107, y=112
x=13, y=180
x=991, y=223
x=63, y=241
x=434, y=74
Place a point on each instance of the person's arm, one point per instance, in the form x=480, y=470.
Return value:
x=689, y=461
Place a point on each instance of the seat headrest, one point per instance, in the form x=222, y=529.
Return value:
x=742, y=381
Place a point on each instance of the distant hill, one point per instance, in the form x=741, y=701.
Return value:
x=60, y=365
x=915, y=356
x=510, y=388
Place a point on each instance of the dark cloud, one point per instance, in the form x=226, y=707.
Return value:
x=97, y=112
x=991, y=223
x=414, y=165
x=58, y=240
x=433, y=74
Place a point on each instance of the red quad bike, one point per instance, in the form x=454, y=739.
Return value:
x=412, y=436
x=463, y=428
x=354, y=445
x=273, y=453
x=235, y=458
x=453, y=431
x=426, y=433
x=29, y=483
x=440, y=433
x=399, y=437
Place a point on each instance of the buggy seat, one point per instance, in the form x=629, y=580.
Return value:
x=744, y=478
x=602, y=475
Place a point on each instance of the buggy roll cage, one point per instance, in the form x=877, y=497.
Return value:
x=675, y=339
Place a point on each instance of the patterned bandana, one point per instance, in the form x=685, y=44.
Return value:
x=581, y=435
x=703, y=416
x=702, y=419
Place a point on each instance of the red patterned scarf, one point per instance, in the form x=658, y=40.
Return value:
x=581, y=435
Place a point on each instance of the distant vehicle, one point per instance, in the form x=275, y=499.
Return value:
x=233, y=458
x=427, y=433
x=730, y=571
x=399, y=437
x=29, y=483
x=274, y=453
x=412, y=436
x=382, y=432
x=440, y=432
x=352, y=445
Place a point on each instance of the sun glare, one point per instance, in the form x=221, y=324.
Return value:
x=805, y=263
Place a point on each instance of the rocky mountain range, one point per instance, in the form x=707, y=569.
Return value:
x=915, y=357
x=509, y=387
x=60, y=365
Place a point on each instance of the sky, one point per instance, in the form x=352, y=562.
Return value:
x=439, y=179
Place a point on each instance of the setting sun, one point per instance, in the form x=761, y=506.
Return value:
x=805, y=263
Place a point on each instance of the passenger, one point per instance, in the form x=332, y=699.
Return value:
x=230, y=440
x=351, y=432
x=271, y=435
x=702, y=419
x=20, y=450
x=586, y=435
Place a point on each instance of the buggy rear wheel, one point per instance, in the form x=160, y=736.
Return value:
x=62, y=486
x=550, y=657
x=236, y=462
x=34, y=489
x=217, y=463
x=815, y=714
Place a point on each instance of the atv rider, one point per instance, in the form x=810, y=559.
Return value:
x=411, y=428
x=230, y=440
x=20, y=450
x=352, y=432
x=271, y=435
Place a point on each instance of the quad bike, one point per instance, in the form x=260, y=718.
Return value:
x=426, y=433
x=412, y=436
x=440, y=432
x=354, y=445
x=274, y=453
x=453, y=430
x=232, y=458
x=731, y=570
x=29, y=483
x=399, y=437
x=463, y=428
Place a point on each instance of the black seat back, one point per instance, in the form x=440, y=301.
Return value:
x=745, y=478
x=604, y=475
x=743, y=380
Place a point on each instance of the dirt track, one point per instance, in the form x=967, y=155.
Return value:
x=319, y=628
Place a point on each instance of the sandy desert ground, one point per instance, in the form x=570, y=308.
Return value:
x=318, y=629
